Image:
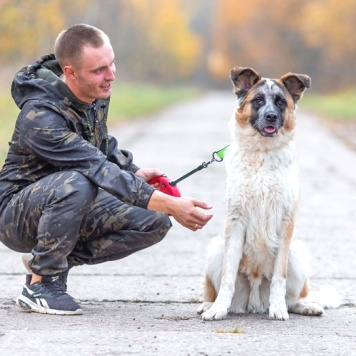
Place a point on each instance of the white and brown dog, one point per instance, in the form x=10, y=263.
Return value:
x=258, y=267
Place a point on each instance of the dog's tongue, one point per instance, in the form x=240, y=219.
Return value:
x=270, y=129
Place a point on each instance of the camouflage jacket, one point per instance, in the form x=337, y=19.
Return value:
x=55, y=131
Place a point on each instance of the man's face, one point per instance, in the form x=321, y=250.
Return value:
x=95, y=73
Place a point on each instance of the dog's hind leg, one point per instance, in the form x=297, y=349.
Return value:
x=212, y=281
x=298, y=271
x=305, y=307
x=209, y=296
x=297, y=282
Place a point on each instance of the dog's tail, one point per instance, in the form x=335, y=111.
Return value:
x=299, y=270
x=328, y=297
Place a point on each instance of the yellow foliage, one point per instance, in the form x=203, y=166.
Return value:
x=169, y=37
x=28, y=26
x=153, y=38
x=164, y=46
x=331, y=25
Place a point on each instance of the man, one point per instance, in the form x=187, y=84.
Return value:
x=67, y=193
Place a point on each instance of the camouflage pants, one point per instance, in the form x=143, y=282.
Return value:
x=67, y=221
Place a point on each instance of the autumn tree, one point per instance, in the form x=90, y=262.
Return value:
x=27, y=28
x=152, y=39
x=257, y=33
x=176, y=40
x=329, y=28
x=277, y=36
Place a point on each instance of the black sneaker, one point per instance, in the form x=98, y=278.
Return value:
x=47, y=297
x=62, y=277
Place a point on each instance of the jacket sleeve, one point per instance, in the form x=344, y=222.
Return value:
x=45, y=134
x=122, y=158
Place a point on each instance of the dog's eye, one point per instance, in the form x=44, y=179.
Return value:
x=280, y=103
x=259, y=101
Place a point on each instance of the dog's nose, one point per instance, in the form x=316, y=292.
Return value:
x=271, y=117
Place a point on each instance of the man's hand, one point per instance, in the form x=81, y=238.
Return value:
x=149, y=173
x=184, y=210
x=186, y=213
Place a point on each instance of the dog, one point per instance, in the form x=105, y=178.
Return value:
x=258, y=267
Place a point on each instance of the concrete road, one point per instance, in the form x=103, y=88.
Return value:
x=146, y=304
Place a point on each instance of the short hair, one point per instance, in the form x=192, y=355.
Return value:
x=69, y=43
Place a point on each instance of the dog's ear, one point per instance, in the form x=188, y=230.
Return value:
x=243, y=79
x=296, y=84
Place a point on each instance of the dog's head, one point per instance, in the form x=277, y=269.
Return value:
x=267, y=104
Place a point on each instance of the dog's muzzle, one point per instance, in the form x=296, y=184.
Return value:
x=270, y=124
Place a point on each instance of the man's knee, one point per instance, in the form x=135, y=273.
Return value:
x=76, y=186
x=163, y=225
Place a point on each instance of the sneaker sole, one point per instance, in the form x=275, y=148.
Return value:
x=30, y=307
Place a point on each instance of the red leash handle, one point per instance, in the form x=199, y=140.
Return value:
x=165, y=186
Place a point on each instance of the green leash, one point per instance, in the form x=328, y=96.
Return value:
x=218, y=156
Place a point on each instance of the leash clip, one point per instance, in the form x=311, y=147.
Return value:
x=217, y=156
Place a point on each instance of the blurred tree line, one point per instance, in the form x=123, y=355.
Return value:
x=196, y=42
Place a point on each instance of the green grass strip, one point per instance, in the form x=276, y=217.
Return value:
x=338, y=106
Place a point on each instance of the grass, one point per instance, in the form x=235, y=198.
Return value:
x=138, y=100
x=336, y=107
x=9, y=112
x=128, y=102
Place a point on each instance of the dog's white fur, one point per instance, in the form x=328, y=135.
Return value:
x=258, y=267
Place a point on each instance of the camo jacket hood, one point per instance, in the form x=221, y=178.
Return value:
x=55, y=131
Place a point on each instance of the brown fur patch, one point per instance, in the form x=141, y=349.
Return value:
x=290, y=121
x=305, y=291
x=210, y=293
x=244, y=113
x=288, y=238
x=243, y=116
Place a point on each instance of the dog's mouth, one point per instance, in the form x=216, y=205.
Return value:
x=269, y=131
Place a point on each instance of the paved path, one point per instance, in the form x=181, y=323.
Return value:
x=146, y=304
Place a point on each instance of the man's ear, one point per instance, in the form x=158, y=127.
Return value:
x=70, y=72
x=296, y=84
x=243, y=79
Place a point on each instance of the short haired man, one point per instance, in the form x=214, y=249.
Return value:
x=67, y=193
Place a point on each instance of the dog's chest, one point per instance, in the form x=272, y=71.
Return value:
x=262, y=178
x=262, y=191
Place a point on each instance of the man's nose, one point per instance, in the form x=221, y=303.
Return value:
x=110, y=75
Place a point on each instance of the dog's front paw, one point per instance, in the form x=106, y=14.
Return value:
x=203, y=307
x=278, y=313
x=215, y=313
